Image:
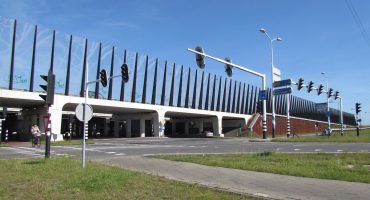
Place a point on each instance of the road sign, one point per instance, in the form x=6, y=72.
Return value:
x=328, y=113
x=282, y=91
x=321, y=107
x=80, y=111
x=263, y=95
x=276, y=74
x=282, y=83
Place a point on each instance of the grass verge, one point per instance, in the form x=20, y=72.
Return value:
x=353, y=167
x=63, y=178
x=70, y=142
x=4, y=145
x=349, y=136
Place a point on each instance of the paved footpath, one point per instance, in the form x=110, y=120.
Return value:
x=241, y=181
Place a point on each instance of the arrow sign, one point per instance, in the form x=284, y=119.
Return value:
x=282, y=91
x=282, y=83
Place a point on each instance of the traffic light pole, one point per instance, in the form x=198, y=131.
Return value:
x=341, y=116
x=262, y=76
x=288, y=115
x=47, y=134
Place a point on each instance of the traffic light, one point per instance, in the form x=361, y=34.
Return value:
x=320, y=89
x=200, y=58
x=330, y=93
x=336, y=95
x=228, y=68
x=300, y=83
x=124, y=72
x=103, y=77
x=259, y=107
x=48, y=88
x=310, y=87
x=358, y=108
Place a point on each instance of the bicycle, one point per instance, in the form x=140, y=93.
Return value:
x=36, y=141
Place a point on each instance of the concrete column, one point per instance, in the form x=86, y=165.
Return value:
x=159, y=124
x=142, y=127
x=217, y=126
x=128, y=128
x=187, y=127
x=116, y=129
x=173, y=128
x=56, y=123
x=200, y=126
x=106, y=123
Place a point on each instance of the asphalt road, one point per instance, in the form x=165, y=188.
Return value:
x=103, y=148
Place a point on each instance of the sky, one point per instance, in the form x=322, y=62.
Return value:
x=318, y=36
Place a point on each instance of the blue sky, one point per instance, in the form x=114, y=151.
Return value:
x=317, y=35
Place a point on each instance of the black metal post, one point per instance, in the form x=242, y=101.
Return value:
x=33, y=60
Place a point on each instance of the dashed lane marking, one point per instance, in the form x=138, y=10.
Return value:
x=297, y=149
x=120, y=154
x=339, y=150
x=111, y=152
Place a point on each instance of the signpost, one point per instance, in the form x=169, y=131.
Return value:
x=282, y=83
x=281, y=91
x=263, y=95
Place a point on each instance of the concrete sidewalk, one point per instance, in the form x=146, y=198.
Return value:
x=241, y=181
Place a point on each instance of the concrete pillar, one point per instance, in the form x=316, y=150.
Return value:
x=56, y=123
x=128, y=128
x=142, y=127
x=217, y=126
x=106, y=123
x=173, y=128
x=159, y=124
x=200, y=126
x=116, y=129
x=187, y=127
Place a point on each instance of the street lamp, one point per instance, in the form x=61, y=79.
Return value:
x=262, y=30
x=327, y=99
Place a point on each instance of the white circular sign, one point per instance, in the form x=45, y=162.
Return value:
x=80, y=112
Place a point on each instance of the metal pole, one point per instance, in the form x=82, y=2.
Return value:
x=264, y=123
x=288, y=115
x=341, y=116
x=48, y=133
x=1, y=128
x=327, y=102
x=85, y=130
x=358, y=126
x=272, y=94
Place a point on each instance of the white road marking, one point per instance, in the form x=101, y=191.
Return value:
x=317, y=150
x=297, y=149
x=111, y=152
x=191, y=146
x=339, y=150
x=120, y=154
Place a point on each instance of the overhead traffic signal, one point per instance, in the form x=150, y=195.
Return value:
x=200, y=58
x=300, y=83
x=103, y=77
x=320, y=89
x=124, y=72
x=48, y=88
x=336, y=95
x=330, y=92
x=228, y=68
x=358, y=108
x=310, y=87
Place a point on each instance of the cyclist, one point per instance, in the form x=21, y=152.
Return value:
x=36, y=134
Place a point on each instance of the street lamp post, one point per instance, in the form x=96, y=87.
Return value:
x=327, y=99
x=262, y=30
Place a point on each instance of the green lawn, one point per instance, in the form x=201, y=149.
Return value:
x=348, y=136
x=345, y=166
x=63, y=178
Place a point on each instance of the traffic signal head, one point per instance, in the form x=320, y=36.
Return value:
x=200, y=58
x=310, y=87
x=330, y=92
x=320, y=89
x=259, y=107
x=124, y=72
x=103, y=77
x=300, y=83
x=358, y=108
x=336, y=95
x=48, y=88
x=228, y=68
